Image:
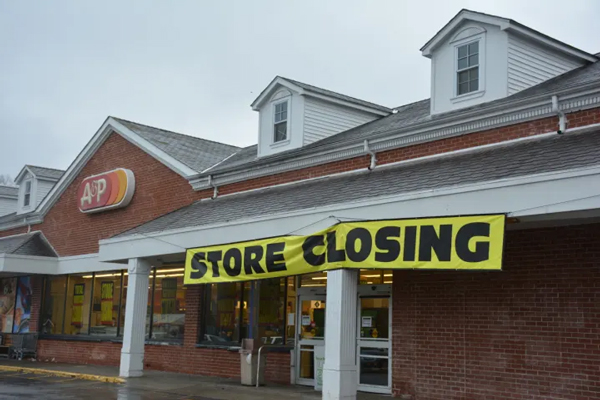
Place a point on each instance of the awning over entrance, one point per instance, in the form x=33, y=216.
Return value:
x=28, y=253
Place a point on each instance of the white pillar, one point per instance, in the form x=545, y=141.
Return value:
x=132, y=353
x=340, y=372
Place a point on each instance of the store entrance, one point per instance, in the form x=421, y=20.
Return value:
x=373, y=344
x=311, y=337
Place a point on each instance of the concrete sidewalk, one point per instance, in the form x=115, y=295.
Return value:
x=173, y=383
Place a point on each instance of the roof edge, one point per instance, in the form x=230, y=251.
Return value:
x=504, y=24
x=295, y=86
x=533, y=107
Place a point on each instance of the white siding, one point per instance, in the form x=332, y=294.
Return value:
x=529, y=64
x=492, y=68
x=7, y=206
x=323, y=119
x=43, y=187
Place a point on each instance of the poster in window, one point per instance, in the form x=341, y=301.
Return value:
x=169, y=295
x=7, y=303
x=78, y=294
x=107, y=290
x=23, y=305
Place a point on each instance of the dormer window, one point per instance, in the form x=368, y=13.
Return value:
x=27, y=194
x=280, y=120
x=468, y=68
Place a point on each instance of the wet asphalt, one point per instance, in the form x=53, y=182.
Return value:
x=15, y=385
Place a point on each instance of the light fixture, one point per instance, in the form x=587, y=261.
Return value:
x=319, y=278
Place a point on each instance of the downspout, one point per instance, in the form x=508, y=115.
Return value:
x=562, y=119
x=215, y=188
x=372, y=154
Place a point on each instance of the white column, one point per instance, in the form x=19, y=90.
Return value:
x=340, y=372
x=132, y=353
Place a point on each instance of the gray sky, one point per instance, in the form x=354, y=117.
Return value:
x=195, y=66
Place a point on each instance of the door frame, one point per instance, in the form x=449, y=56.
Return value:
x=306, y=296
x=374, y=291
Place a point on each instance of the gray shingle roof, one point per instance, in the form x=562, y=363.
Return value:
x=194, y=152
x=409, y=116
x=338, y=96
x=28, y=244
x=48, y=173
x=509, y=160
x=11, y=191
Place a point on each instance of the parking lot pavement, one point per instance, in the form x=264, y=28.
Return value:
x=16, y=385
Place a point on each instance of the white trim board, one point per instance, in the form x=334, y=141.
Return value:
x=16, y=263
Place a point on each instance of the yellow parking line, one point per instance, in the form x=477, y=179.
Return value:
x=49, y=372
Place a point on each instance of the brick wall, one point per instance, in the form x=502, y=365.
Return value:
x=531, y=331
x=158, y=191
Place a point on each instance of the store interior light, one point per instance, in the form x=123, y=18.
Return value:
x=319, y=278
x=313, y=285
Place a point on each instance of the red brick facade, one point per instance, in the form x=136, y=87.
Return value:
x=531, y=331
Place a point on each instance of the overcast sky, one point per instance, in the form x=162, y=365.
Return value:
x=195, y=66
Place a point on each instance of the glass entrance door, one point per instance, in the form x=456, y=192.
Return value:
x=373, y=344
x=311, y=328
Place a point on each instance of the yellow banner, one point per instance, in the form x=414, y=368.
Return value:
x=106, y=302
x=466, y=243
x=78, y=294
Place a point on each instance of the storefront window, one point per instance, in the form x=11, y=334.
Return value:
x=318, y=279
x=54, y=305
x=23, y=305
x=375, y=277
x=226, y=313
x=271, y=319
x=95, y=303
x=77, y=310
x=168, y=316
x=105, y=306
x=8, y=291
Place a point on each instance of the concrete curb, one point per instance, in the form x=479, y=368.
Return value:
x=66, y=374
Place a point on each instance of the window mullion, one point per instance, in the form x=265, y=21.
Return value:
x=12, y=328
x=120, y=304
x=91, y=303
x=64, y=314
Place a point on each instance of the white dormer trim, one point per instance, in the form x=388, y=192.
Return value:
x=24, y=171
x=467, y=33
x=505, y=25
